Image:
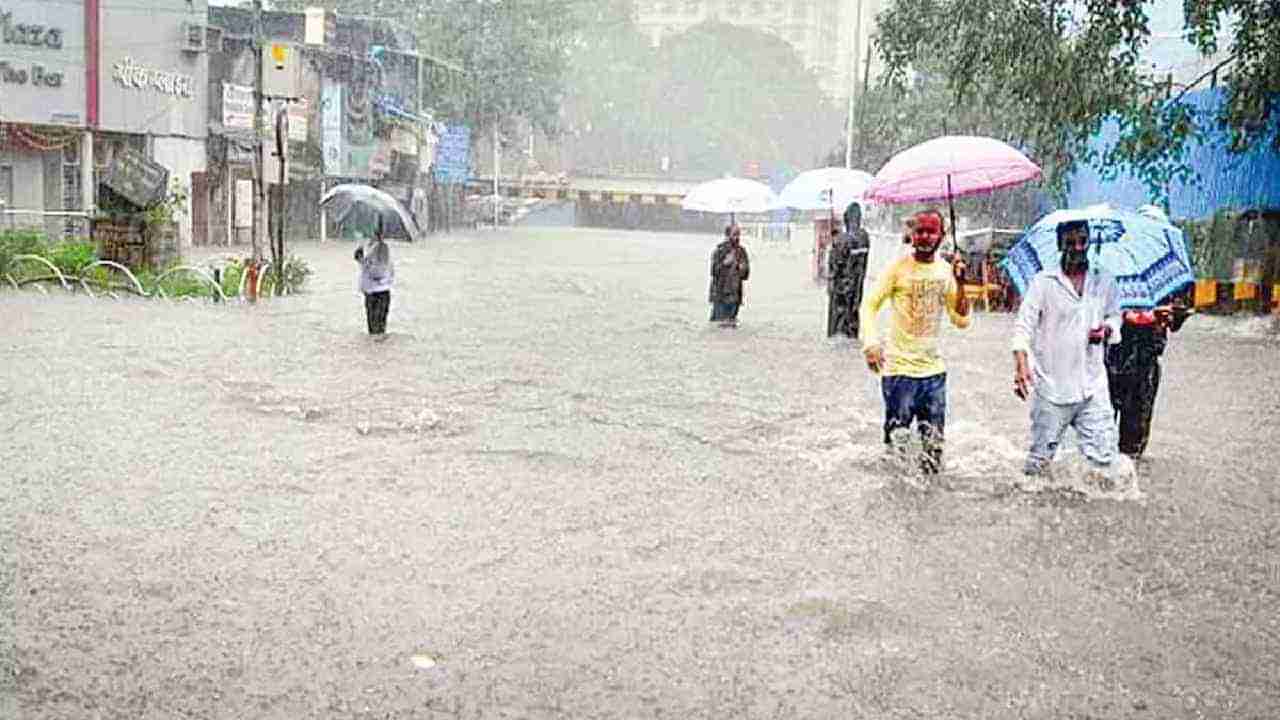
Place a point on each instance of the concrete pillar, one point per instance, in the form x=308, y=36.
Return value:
x=87, y=186
x=324, y=215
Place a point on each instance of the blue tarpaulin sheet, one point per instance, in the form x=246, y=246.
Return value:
x=1226, y=180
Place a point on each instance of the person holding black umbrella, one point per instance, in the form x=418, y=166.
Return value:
x=377, y=274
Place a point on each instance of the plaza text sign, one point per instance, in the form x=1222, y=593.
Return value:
x=30, y=34
x=24, y=37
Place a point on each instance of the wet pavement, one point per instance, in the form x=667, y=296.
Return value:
x=556, y=491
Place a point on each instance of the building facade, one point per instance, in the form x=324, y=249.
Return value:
x=43, y=101
x=153, y=93
x=82, y=80
x=831, y=37
x=354, y=118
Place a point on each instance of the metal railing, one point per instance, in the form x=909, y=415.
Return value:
x=76, y=222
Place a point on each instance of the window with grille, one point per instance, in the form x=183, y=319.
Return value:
x=73, y=226
x=6, y=185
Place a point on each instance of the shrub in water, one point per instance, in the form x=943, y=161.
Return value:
x=18, y=242
x=72, y=257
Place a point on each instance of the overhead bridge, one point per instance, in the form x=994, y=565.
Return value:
x=644, y=190
x=632, y=203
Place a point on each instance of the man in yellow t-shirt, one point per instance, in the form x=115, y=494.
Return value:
x=913, y=376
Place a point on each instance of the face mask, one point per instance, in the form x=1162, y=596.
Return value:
x=1075, y=260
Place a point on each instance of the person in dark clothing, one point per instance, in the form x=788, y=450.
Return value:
x=729, y=269
x=847, y=268
x=1133, y=371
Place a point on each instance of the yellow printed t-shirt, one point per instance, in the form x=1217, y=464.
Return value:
x=919, y=293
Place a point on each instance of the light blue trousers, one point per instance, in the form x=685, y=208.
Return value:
x=1093, y=420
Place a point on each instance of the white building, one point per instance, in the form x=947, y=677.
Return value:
x=81, y=83
x=832, y=37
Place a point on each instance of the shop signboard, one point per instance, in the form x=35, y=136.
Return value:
x=137, y=179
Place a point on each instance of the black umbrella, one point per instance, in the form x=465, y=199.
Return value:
x=351, y=200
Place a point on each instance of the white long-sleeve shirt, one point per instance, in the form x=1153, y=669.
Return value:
x=377, y=272
x=1053, y=329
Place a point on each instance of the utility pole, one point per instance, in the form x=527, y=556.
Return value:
x=862, y=110
x=259, y=179
x=855, y=50
x=282, y=148
x=496, y=172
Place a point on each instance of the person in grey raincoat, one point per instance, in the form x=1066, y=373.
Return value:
x=729, y=269
x=377, y=274
x=848, y=267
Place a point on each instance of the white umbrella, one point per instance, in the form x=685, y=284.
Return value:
x=825, y=188
x=730, y=195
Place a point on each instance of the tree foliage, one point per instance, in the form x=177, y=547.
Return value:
x=514, y=53
x=1056, y=70
x=889, y=119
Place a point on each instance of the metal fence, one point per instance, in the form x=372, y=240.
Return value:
x=67, y=224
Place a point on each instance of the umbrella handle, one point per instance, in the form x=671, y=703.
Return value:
x=955, y=236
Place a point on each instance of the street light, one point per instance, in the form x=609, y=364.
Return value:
x=855, y=50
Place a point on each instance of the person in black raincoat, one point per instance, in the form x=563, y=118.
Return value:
x=729, y=269
x=1133, y=371
x=847, y=268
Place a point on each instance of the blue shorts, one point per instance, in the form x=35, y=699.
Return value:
x=919, y=400
x=724, y=311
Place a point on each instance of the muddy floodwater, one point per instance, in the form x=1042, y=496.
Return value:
x=556, y=492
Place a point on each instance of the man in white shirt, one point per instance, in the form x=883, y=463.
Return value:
x=1067, y=316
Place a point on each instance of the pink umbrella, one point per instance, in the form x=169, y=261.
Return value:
x=950, y=167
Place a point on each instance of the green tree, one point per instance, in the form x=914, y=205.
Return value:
x=889, y=119
x=607, y=106
x=514, y=53
x=726, y=95
x=1056, y=70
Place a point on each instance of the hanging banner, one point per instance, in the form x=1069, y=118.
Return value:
x=237, y=106
x=299, y=114
x=331, y=126
x=453, y=155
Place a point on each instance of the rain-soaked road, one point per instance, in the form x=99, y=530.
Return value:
x=556, y=492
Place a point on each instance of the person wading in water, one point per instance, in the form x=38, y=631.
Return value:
x=377, y=274
x=1133, y=371
x=848, y=267
x=730, y=268
x=913, y=376
x=1066, y=317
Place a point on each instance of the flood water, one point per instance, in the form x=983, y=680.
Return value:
x=556, y=491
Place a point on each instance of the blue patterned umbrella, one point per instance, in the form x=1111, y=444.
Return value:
x=1148, y=258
